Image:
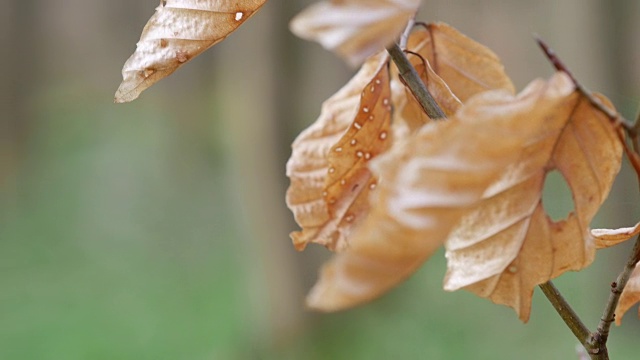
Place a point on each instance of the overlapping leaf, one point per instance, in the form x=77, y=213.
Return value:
x=177, y=32
x=609, y=237
x=630, y=295
x=426, y=183
x=507, y=245
x=467, y=66
x=330, y=181
x=354, y=29
x=453, y=67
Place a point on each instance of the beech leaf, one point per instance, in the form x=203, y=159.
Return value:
x=426, y=183
x=354, y=29
x=630, y=295
x=179, y=31
x=609, y=237
x=467, y=66
x=507, y=244
x=330, y=181
x=453, y=67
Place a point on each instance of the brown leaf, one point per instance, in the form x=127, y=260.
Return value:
x=507, y=244
x=330, y=181
x=467, y=66
x=609, y=237
x=407, y=109
x=179, y=31
x=452, y=66
x=630, y=295
x=354, y=29
x=426, y=183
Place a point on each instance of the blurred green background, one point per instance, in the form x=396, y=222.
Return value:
x=158, y=230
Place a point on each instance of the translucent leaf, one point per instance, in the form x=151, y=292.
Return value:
x=452, y=66
x=507, y=244
x=427, y=182
x=354, y=29
x=609, y=237
x=630, y=295
x=467, y=66
x=179, y=31
x=330, y=181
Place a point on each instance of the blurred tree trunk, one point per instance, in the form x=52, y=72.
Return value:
x=19, y=71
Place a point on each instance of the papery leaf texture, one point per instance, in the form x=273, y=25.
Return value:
x=354, y=29
x=609, y=237
x=177, y=32
x=467, y=66
x=507, y=244
x=330, y=181
x=630, y=295
x=426, y=183
x=453, y=67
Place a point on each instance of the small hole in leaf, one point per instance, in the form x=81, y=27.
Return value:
x=556, y=196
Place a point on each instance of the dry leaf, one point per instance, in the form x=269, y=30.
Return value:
x=407, y=109
x=507, y=244
x=464, y=68
x=179, y=31
x=354, y=29
x=426, y=183
x=630, y=295
x=329, y=178
x=609, y=237
x=468, y=67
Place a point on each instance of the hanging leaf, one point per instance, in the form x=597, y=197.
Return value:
x=464, y=68
x=630, y=295
x=179, y=31
x=354, y=29
x=426, y=183
x=467, y=66
x=609, y=237
x=330, y=181
x=408, y=111
x=507, y=244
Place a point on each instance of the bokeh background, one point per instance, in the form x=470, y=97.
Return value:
x=158, y=229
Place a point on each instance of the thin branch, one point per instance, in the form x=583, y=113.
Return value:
x=632, y=130
x=608, y=315
x=566, y=312
x=415, y=84
x=560, y=66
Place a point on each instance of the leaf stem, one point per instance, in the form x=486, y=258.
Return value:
x=415, y=84
x=566, y=312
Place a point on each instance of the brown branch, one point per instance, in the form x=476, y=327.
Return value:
x=415, y=84
x=632, y=130
x=560, y=66
x=600, y=337
x=567, y=313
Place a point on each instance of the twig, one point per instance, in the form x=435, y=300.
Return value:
x=567, y=313
x=560, y=66
x=601, y=335
x=415, y=84
x=632, y=130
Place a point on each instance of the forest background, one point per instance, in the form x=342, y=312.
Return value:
x=158, y=229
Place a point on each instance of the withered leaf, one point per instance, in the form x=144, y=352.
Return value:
x=354, y=29
x=630, y=295
x=609, y=237
x=507, y=244
x=464, y=68
x=467, y=66
x=426, y=183
x=330, y=181
x=177, y=32
x=408, y=111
